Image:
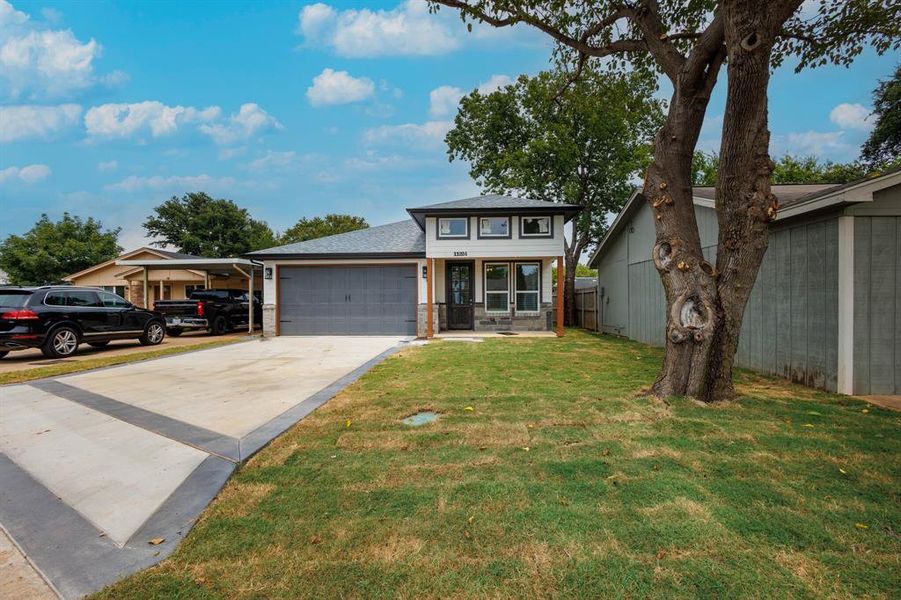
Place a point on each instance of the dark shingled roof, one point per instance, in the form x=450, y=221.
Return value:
x=786, y=194
x=494, y=201
x=403, y=238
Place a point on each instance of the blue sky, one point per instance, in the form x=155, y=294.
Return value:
x=291, y=109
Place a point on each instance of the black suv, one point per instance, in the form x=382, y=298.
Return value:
x=57, y=319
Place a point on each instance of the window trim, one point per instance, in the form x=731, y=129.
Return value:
x=438, y=234
x=530, y=236
x=485, y=290
x=494, y=236
x=537, y=311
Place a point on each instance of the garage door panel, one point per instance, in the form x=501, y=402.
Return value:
x=348, y=300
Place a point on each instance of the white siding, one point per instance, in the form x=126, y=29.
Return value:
x=494, y=248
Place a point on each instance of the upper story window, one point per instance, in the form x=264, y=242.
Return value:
x=453, y=227
x=498, y=227
x=535, y=227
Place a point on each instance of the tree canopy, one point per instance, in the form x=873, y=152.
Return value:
x=542, y=137
x=787, y=169
x=884, y=143
x=317, y=227
x=217, y=228
x=52, y=250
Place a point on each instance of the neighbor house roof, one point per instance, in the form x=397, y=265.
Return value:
x=794, y=200
x=493, y=203
x=394, y=240
x=168, y=254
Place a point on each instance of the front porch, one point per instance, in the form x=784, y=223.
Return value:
x=492, y=295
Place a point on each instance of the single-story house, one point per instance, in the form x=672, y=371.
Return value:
x=826, y=308
x=477, y=264
x=163, y=282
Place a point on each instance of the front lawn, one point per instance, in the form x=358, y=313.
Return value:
x=549, y=475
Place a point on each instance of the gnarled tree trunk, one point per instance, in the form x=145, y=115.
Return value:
x=687, y=278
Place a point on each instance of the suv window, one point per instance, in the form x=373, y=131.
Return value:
x=110, y=300
x=14, y=298
x=82, y=298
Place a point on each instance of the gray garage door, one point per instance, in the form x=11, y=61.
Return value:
x=377, y=300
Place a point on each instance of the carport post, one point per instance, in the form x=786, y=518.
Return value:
x=206, y=280
x=146, y=286
x=251, y=300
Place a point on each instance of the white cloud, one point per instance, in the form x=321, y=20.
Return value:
x=249, y=121
x=339, y=87
x=430, y=133
x=852, y=116
x=178, y=183
x=109, y=165
x=26, y=174
x=822, y=144
x=37, y=62
x=274, y=161
x=408, y=29
x=443, y=100
x=140, y=118
x=32, y=121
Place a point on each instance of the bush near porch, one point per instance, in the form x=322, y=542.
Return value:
x=562, y=480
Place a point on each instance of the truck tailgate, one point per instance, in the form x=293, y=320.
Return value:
x=177, y=308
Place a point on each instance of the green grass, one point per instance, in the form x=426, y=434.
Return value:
x=65, y=368
x=562, y=481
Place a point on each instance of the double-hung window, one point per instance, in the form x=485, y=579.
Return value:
x=528, y=287
x=453, y=227
x=535, y=227
x=494, y=227
x=497, y=287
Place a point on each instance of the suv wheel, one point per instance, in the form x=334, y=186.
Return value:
x=220, y=326
x=61, y=343
x=153, y=334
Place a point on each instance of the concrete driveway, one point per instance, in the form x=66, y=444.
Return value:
x=96, y=466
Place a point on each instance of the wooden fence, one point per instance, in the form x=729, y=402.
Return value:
x=587, y=308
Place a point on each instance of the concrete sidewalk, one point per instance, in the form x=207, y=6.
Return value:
x=110, y=460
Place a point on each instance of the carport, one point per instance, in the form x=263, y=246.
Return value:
x=221, y=267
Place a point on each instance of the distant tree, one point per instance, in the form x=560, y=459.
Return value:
x=51, y=250
x=317, y=227
x=547, y=138
x=198, y=224
x=788, y=169
x=704, y=167
x=585, y=271
x=884, y=143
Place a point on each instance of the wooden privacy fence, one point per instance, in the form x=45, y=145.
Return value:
x=587, y=308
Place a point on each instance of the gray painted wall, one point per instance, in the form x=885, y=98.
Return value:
x=790, y=327
x=877, y=304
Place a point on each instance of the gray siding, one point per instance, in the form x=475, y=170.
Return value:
x=877, y=311
x=614, y=288
x=790, y=327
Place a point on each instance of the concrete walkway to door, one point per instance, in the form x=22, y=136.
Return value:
x=97, y=468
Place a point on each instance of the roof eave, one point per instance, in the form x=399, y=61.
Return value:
x=337, y=255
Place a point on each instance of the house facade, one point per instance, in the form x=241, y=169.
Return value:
x=162, y=283
x=825, y=310
x=477, y=264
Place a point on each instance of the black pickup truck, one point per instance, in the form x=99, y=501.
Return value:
x=217, y=311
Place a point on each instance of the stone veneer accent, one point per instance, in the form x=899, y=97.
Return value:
x=544, y=321
x=422, y=325
x=269, y=320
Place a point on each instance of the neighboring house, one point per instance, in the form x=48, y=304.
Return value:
x=163, y=284
x=482, y=264
x=826, y=308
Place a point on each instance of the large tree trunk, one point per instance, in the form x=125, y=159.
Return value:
x=744, y=201
x=687, y=278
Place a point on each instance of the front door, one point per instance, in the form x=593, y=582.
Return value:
x=460, y=295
